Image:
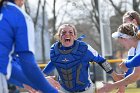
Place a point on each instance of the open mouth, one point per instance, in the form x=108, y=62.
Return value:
x=67, y=40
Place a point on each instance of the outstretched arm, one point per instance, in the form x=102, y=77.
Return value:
x=94, y=56
x=49, y=68
x=18, y=75
x=127, y=80
x=33, y=72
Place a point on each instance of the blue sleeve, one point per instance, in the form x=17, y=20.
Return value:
x=49, y=68
x=130, y=57
x=134, y=62
x=18, y=74
x=130, y=70
x=33, y=73
x=94, y=56
x=15, y=82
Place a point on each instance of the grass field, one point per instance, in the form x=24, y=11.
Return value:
x=131, y=88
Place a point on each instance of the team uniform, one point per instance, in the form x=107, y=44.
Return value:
x=134, y=62
x=131, y=54
x=72, y=64
x=17, y=35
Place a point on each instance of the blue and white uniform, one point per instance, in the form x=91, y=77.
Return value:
x=72, y=64
x=134, y=62
x=17, y=33
x=131, y=54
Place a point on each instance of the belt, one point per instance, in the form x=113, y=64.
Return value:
x=84, y=88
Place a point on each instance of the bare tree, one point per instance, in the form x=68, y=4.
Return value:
x=37, y=13
x=27, y=8
x=39, y=20
x=136, y=4
x=54, y=20
x=42, y=31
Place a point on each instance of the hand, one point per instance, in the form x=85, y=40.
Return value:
x=53, y=82
x=116, y=76
x=30, y=89
x=121, y=89
x=106, y=88
x=123, y=67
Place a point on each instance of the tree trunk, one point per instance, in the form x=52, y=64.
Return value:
x=54, y=21
x=42, y=33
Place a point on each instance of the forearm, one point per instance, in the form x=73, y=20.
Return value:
x=49, y=68
x=34, y=74
x=106, y=66
x=129, y=79
x=18, y=74
x=114, y=75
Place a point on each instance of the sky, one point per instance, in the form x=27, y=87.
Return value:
x=74, y=3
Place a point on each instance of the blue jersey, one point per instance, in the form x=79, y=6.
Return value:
x=73, y=65
x=18, y=37
x=131, y=54
x=134, y=62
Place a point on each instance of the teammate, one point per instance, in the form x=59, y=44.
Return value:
x=129, y=36
x=130, y=17
x=17, y=38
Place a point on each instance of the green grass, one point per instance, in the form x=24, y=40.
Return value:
x=130, y=89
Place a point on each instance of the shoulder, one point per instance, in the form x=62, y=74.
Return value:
x=13, y=12
x=92, y=50
x=82, y=46
x=81, y=42
x=10, y=9
x=54, y=45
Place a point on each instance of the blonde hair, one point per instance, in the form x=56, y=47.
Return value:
x=63, y=26
x=129, y=29
x=132, y=15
